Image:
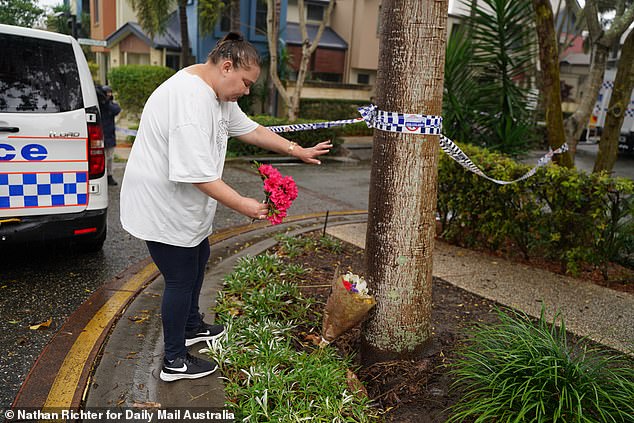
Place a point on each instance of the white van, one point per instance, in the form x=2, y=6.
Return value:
x=52, y=164
x=597, y=118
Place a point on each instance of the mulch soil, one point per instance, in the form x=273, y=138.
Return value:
x=417, y=391
x=406, y=391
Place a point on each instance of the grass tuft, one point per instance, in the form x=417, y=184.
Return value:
x=518, y=371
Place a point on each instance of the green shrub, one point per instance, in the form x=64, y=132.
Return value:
x=516, y=371
x=134, y=84
x=303, y=138
x=330, y=109
x=559, y=213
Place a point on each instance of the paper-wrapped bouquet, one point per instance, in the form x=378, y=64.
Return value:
x=347, y=306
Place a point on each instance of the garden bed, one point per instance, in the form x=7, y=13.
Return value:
x=308, y=382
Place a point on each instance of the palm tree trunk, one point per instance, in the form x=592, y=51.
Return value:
x=182, y=15
x=619, y=102
x=402, y=205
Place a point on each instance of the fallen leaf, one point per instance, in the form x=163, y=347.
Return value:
x=355, y=384
x=42, y=325
x=148, y=404
x=315, y=339
x=14, y=322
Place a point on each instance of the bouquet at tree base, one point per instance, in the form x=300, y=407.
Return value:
x=280, y=192
x=347, y=306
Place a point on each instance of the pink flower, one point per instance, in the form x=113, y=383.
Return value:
x=280, y=192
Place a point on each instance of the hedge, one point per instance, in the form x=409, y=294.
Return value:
x=134, y=84
x=303, y=138
x=331, y=109
x=559, y=213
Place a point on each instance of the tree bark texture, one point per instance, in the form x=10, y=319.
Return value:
x=402, y=204
x=234, y=16
x=551, y=90
x=619, y=101
x=182, y=14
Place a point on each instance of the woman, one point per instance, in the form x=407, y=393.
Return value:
x=173, y=181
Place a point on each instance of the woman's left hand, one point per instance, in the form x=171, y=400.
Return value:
x=309, y=155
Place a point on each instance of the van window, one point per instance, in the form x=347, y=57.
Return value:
x=38, y=76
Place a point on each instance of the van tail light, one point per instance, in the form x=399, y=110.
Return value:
x=96, y=153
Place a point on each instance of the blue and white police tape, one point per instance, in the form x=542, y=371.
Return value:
x=463, y=160
x=125, y=131
x=374, y=118
x=406, y=124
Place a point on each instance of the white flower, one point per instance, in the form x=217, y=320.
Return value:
x=359, y=283
x=362, y=287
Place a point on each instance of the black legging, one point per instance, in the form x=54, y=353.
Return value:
x=183, y=269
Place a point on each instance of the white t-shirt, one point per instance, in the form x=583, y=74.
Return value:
x=182, y=138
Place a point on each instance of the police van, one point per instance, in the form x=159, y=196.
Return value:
x=599, y=112
x=52, y=164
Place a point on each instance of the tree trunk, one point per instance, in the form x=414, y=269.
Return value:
x=182, y=14
x=619, y=102
x=308, y=48
x=402, y=204
x=272, y=36
x=575, y=123
x=551, y=90
x=234, y=16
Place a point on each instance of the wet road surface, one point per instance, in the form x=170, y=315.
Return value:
x=50, y=283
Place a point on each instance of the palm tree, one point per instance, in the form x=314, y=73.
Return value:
x=502, y=33
x=153, y=16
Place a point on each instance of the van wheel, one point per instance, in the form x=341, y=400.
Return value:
x=93, y=245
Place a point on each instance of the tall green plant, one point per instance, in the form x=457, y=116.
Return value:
x=461, y=90
x=502, y=33
x=518, y=371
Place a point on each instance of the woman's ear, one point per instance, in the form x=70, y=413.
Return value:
x=226, y=66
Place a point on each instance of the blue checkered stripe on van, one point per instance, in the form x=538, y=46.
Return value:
x=21, y=190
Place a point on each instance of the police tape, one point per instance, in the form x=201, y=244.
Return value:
x=405, y=123
x=125, y=131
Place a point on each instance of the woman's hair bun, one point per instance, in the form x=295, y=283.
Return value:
x=233, y=36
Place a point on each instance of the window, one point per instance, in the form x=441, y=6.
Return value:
x=96, y=11
x=260, y=17
x=363, y=78
x=38, y=76
x=325, y=77
x=314, y=12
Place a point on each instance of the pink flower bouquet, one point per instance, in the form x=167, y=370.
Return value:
x=280, y=192
x=347, y=306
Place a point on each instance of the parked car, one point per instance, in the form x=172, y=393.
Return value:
x=52, y=165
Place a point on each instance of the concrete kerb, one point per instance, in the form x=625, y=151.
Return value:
x=127, y=374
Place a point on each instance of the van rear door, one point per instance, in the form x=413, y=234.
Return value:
x=43, y=131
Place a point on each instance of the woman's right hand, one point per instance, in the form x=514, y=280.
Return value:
x=253, y=208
